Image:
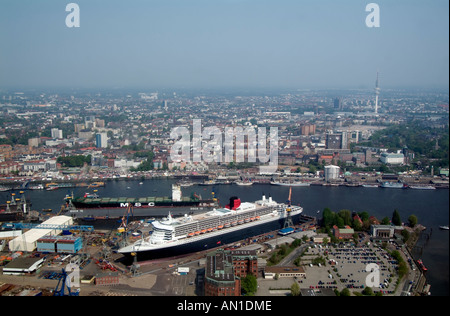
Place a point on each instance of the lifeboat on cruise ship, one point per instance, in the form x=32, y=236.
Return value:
x=190, y=234
x=220, y=226
x=252, y=219
x=240, y=222
x=197, y=233
x=257, y=217
x=203, y=231
x=209, y=230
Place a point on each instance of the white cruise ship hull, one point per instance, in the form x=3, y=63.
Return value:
x=146, y=251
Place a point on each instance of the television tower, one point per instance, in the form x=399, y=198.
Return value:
x=377, y=93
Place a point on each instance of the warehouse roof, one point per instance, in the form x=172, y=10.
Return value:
x=36, y=233
x=27, y=242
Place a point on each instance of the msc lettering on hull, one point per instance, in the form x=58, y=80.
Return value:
x=151, y=204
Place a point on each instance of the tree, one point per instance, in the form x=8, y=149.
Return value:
x=346, y=215
x=340, y=222
x=295, y=289
x=385, y=221
x=412, y=220
x=405, y=235
x=367, y=291
x=357, y=226
x=396, y=220
x=328, y=217
x=249, y=284
x=346, y=292
x=364, y=216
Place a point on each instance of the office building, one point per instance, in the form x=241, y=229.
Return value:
x=101, y=140
x=56, y=133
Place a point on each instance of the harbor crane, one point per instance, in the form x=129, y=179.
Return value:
x=123, y=228
x=63, y=283
x=288, y=222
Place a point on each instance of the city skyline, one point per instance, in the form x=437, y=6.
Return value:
x=224, y=44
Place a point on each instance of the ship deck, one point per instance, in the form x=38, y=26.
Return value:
x=130, y=200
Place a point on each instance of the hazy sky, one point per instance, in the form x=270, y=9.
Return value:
x=224, y=43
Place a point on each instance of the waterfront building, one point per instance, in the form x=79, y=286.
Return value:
x=343, y=233
x=331, y=172
x=384, y=231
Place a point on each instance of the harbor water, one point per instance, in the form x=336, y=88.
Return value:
x=430, y=206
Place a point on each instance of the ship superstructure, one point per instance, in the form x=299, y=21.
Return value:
x=174, y=236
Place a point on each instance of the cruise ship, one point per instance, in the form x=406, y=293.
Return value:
x=237, y=221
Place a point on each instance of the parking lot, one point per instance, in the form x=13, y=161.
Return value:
x=345, y=267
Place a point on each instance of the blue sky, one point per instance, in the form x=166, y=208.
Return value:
x=224, y=43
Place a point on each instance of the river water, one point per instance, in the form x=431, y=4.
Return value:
x=430, y=206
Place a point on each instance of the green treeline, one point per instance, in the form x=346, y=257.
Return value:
x=74, y=161
x=147, y=164
x=344, y=218
x=416, y=137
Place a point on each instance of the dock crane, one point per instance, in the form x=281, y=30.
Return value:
x=288, y=222
x=63, y=283
x=123, y=228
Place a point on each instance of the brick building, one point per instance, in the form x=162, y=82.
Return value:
x=225, y=269
x=343, y=233
x=107, y=278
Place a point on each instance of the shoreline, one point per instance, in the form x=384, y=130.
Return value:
x=12, y=184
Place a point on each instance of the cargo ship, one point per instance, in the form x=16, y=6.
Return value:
x=91, y=207
x=237, y=221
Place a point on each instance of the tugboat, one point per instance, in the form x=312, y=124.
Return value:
x=421, y=265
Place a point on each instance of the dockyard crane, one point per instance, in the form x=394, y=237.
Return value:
x=288, y=221
x=61, y=291
x=123, y=228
